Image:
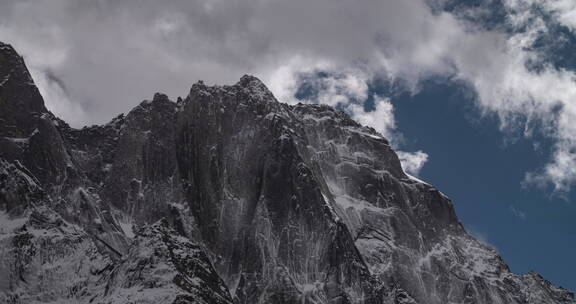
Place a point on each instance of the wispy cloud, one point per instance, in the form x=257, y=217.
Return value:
x=518, y=213
x=480, y=236
x=381, y=118
x=412, y=162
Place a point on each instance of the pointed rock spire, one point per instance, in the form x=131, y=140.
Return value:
x=20, y=100
x=256, y=88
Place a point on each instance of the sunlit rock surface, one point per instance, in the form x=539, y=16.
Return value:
x=227, y=196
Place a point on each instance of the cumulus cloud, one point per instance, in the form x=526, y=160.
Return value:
x=117, y=53
x=412, y=162
x=94, y=59
x=381, y=118
x=509, y=86
x=564, y=11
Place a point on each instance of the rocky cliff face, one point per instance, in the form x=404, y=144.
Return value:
x=226, y=196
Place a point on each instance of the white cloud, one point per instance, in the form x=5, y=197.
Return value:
x=518, y=213
x=507, y=86
x=112, y=54
x=412, y=162
x=43, y=56
x=480, y=236
x=56, y=98
x=564, y=11
x=381, y=119
x=121, y=52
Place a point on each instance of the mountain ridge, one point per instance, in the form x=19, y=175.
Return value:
x=237, y=198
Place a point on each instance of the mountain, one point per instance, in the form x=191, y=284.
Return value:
x=227, y=196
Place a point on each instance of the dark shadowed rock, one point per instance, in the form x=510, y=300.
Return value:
x=20, y=100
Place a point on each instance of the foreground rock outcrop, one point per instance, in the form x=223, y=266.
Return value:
x=226, y=196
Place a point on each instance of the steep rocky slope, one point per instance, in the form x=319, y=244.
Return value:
x=226, y=196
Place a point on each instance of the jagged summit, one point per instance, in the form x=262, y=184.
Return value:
x=251, y=87
x=228, y=196
x=20, y=101
x=251, y=81
x=10, y=53
x=160, y=97
x=256, y=88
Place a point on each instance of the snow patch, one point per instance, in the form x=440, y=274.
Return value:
x=17, y=140
x=127, y=228
x=329, y=205
x=416, y=179
x=8, y=223
x=345, y=202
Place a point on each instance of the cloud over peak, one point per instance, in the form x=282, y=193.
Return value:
x=112, y=54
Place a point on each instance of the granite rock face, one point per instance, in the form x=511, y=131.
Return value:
x=227, y=196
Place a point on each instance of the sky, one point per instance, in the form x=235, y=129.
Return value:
x=477, y=96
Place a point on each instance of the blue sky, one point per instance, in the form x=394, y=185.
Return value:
x=477, y=96
x=481, y=170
